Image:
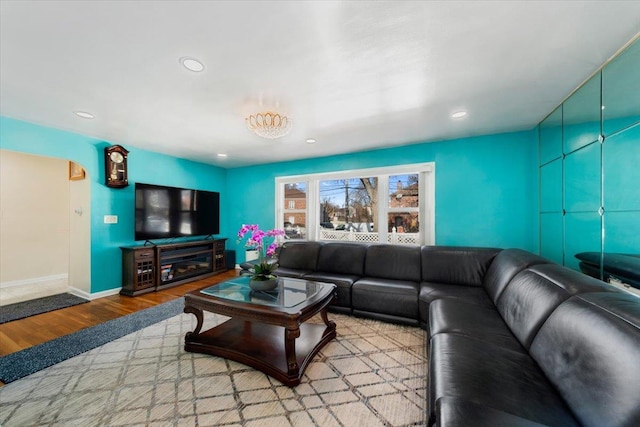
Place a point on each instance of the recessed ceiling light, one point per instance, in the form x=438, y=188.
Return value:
x=459, y=114
x=222, y=155
x=192, y=64
x=311, y=141
x=84, y=114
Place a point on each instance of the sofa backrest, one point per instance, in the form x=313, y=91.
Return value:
x=572, y=281
x=393, y=262
x=299, y=255
x=589, y=348
x=342, y=258
x=456, y=264
x=533, y=294
x=504, y=267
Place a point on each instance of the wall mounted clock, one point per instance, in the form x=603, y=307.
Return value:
x=115, y=166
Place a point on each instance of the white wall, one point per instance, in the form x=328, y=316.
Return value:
x=79, y=216
x=34, y=222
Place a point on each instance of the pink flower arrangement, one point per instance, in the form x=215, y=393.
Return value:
x=259, y=240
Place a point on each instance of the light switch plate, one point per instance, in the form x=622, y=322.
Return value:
x=111, y=219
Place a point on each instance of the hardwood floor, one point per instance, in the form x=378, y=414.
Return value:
x=25, y=333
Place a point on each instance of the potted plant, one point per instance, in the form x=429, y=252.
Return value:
x=265, y=242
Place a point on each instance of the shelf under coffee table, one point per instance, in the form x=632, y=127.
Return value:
x=266, y=329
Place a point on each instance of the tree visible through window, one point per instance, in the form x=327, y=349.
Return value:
x=349, y=203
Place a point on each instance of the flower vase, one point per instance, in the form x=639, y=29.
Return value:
x=264, y=285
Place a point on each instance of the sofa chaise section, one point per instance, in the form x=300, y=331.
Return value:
x=478, y=361
x=450, y=315
x=589, y=348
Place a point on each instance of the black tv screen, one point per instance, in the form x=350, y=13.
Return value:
x=164, y=212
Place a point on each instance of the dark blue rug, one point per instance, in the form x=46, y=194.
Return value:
x=25, y=362
x=32, y=307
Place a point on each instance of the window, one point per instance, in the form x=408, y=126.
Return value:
x=393, y=205
x=403, y=214
x=348, y=209
x=294, y=217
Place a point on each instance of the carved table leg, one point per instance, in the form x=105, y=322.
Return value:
x=290, y=336
x=330, y=323
x=200, y=319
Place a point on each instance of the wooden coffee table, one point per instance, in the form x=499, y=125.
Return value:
x=266, y=329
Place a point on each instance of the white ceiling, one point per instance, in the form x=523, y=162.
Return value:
x=353, y=75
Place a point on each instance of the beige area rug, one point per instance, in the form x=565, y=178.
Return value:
x=373, y=374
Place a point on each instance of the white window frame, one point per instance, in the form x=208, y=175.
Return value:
x=426, y=189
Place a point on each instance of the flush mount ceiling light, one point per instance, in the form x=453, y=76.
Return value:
x=192, y=64
x=84, y=114
x=269, y=125
x=222, y=155
x=311, y=141
x=459, y=114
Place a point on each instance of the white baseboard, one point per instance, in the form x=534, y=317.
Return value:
x=23, y=290
x=35, y=280
x=91, y=296
x=37, y=287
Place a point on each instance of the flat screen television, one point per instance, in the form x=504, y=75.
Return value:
x=165, y=212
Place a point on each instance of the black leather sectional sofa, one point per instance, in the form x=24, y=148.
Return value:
x=514, y=340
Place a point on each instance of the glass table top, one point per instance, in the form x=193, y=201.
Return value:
x=288, y=293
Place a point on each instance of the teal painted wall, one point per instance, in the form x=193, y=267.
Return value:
x=486, y=188
x=144, y=166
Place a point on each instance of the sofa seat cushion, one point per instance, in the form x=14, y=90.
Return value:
x=449, y=315
x=342, y=281
x=291, y=272
x=386, y=296
x=490, y=375
x=454, y=412
x=430, y=292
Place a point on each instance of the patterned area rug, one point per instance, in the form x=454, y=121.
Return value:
x=25, y=362
x=20, y=310
x=373, y=374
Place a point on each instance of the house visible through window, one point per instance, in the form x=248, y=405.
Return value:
x=389, y=205
x=294, y=217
